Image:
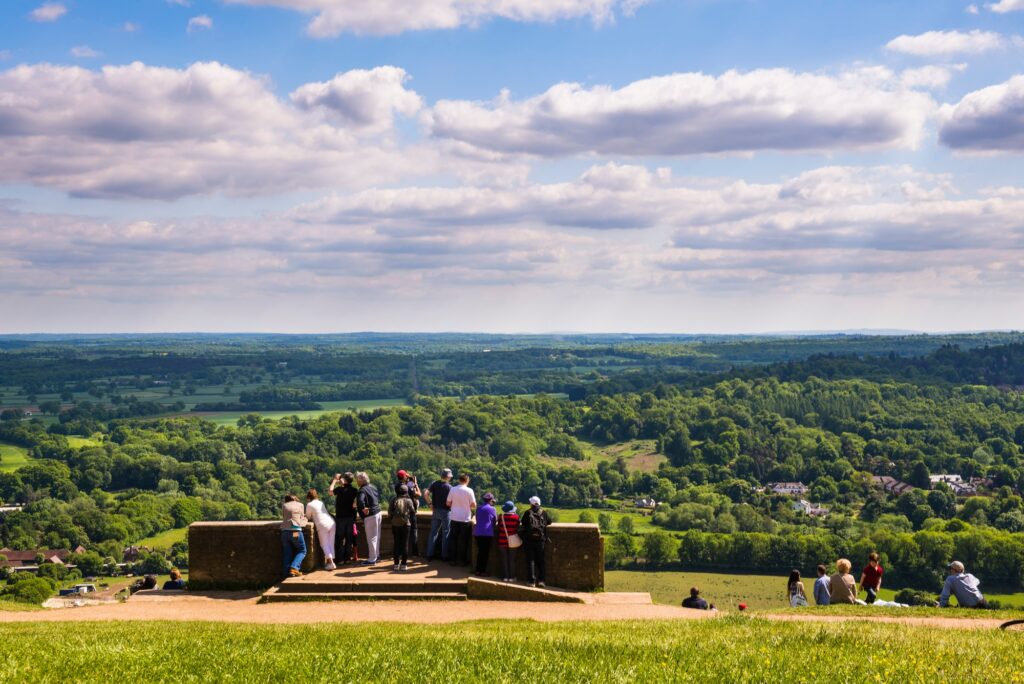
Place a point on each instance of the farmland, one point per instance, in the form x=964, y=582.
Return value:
x=12, y=457
x=735, y=649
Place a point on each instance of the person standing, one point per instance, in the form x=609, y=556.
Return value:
x=795, y=590
x=402, y=514
x=409, y=480
x=964, y=586
x=440, y=519
x=483, y=533
x=462, y=502
x=871, y=577
x=368, y=502
x=293, y=538
x=842, y=586
x=822, y=597
x=345, y=496
x=508, y=528
x=535, y=524
x=325, y=526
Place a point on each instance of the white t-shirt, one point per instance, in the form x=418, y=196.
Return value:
x=461, y=499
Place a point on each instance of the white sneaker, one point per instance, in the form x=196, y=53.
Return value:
x=331, y=566
x=403, y=567
x=396, y=569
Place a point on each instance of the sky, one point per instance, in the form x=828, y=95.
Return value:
x=687, y=166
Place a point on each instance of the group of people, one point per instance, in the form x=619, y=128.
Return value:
x=456, y=523
x=841, y=587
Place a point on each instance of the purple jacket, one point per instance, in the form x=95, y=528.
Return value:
x=486, y=517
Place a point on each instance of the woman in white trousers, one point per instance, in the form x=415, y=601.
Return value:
x=368, y=504
x=317, y=513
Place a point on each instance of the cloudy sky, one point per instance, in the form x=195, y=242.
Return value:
x=511, y=165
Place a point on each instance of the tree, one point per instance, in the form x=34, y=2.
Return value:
x=604, y=521
x=626, y=525
x=619, y=550
x=659, y=548
x=30, y=590
x=919, y=475
x=90, y=563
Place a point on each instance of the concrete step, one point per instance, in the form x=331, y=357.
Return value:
x=273, y=596
x=373, y=587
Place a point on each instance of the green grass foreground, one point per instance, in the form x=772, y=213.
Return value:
x=738, y=649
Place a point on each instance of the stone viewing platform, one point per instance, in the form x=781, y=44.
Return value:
x=247, y=555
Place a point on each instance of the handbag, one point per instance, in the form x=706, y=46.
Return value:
x=514, y=540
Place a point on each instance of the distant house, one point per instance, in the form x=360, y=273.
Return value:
x=891, y=484
x=788, y=488
x=27, y=559
x=645, y=503
x=131, y=553
x=807, y=508
x=948, y=479
x=10, y=508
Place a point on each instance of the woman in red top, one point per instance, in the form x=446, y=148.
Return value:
x=508, y=525
x=871, y=577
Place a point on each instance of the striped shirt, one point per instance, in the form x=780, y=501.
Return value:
x=507, y=523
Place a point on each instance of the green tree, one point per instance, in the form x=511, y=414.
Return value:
x=626, y=525
x=659, y=548
x=587, y=517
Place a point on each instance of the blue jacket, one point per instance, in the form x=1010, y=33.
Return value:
x=821, y=591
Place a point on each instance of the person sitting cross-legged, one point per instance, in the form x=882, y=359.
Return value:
x=694, y=600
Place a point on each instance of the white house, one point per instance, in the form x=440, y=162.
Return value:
x=788, y=488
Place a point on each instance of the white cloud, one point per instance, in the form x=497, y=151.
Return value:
x=83, y=52
x=971, y=9
x=130, y=27
x=362, y=98
x=201, y=22
x=932, y=76
x=693, y=113
x=1004, y=6
x=939, y=43
x=986, y=120
x=51, y=11
x=389, y=17
x=141, y=131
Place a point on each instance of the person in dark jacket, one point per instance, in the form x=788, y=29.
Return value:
x=534, y=524
x=368, y=503
x=409, y=480
x=402, y=514
x=345, y=514
x=695, y=601
x=440, y=519
x=175, y=582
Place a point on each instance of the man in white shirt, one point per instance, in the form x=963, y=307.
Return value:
x=462, y=502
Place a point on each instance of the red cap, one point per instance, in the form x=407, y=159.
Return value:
x=402, y=473
x=743, y=606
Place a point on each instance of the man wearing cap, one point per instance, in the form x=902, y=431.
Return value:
x=409, y=480
x=964, y=586
x=483, y=533
x=535, y=523
x=440, y=519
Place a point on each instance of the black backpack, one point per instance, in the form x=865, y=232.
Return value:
x=535, y=524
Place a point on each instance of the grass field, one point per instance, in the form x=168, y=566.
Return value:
x=759, y=592
x=79, y=442
x=231, y=417
x=165, y=540
x=12, y=457
x=641, y=523
x=732, y=649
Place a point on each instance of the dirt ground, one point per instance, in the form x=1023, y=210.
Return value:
x=243, y=607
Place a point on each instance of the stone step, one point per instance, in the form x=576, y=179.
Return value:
x=273, y=596
x=373, y=587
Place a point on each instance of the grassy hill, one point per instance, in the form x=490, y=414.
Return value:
x=12, y=457
x=733, y=649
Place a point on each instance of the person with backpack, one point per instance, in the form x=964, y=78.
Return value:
x=507, y=533
x=402, y=513
x=345, y=496
x=535, y=524
x=409, y=480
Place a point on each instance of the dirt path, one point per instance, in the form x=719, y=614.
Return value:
x=244, y=608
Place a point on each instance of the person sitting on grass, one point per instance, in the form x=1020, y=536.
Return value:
x=402, y=513
x=871, y=577
x=795, y=590
x=293, y=538
x=175, y=583
x=822, y=589
x=695, y=601
x=964, y=586
x=842, y=586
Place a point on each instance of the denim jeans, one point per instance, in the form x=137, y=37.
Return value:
x=293, y=549
x=440, y=522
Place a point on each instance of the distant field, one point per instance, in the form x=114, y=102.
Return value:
x=79, y=442
x=641, y=523
x=728, y=649
x=12, y=457
x=165, y=540
x=231, y=417
x=759, y=592
x=639, y=454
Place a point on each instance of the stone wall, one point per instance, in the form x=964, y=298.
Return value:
x=248, y=555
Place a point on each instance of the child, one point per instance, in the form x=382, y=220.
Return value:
x=402, y=513
x=871, y=577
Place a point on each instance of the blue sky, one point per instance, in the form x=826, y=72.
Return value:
x=527, y=165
